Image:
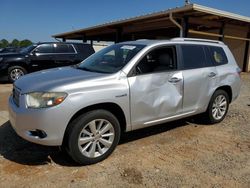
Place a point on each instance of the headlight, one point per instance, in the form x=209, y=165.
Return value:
x=44, y=99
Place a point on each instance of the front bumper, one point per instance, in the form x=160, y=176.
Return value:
x=3, y=71
x=51, y=121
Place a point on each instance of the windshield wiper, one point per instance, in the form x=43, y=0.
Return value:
x=85, y=69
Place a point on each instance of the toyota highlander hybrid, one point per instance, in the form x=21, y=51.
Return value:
x=126, y=86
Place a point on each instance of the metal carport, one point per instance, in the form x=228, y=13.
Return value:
x=191, y=20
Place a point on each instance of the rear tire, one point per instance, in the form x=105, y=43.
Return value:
x=15, y=72
x=218, y=107
x=92, y=137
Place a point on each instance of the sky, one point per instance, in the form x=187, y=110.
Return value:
x=37, y=20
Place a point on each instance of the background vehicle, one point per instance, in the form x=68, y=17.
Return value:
x=9, y=50
x=42, y=56
x=124, y=87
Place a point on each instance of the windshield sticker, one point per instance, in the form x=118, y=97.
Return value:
x=127, y=47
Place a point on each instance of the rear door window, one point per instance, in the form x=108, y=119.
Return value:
x=71, y=49
x=193, y=56
x=45, y=48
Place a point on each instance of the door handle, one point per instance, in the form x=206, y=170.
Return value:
x=211, y=74
x=174, y=80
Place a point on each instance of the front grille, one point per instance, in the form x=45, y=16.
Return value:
x=16, y=95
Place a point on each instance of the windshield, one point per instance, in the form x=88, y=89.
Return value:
x=111, y=59
x=27, y=49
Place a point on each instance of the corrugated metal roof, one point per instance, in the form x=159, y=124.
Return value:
x=189, y=7
x=221, y=13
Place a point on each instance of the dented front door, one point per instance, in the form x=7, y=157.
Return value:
x=154, y=97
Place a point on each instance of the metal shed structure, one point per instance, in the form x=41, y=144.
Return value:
x=191, y=20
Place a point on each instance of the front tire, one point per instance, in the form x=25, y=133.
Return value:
x=15, y=72
x=92, y=137
x=218, y=107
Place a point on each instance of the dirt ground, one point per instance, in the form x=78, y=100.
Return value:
x=183, y=153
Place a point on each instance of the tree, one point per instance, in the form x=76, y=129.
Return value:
x=4, y=43
x=15, y=43
x=25, y=43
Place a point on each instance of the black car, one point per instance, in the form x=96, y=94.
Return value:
x=9, y=49
x=42, y=56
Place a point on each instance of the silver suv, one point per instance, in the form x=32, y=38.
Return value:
x=126, y=86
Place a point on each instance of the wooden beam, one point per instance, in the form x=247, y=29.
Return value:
x=200, y=21
x=204, y=33
x=217, y=35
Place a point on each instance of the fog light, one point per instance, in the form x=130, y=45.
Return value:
x=37, y=133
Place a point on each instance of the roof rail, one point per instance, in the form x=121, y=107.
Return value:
x=142, y=39
x=197, y=40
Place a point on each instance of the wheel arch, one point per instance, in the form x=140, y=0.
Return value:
x=225, y=88
x=228, y=90
x=114, y=108
x=19, y=64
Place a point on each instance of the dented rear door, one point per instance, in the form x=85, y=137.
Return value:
x=154, y=97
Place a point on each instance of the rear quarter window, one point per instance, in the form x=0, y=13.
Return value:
x=63, y=48
x=217, y=55
x=84, y=50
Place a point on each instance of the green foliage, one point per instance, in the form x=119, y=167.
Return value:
x=25, y=43
x=15, y=43
x=4, y=43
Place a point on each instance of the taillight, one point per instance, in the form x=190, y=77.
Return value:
x=238, y=70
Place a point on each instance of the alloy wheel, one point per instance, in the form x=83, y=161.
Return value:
x=16, y=73
x=219, y=107
x=96, y=138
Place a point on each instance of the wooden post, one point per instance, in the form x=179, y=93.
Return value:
x=118, y=36
x=222, y=31
x=246, y=54
x=84, y=38
x=185, y=26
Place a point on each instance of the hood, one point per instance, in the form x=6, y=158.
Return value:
x=50, y=79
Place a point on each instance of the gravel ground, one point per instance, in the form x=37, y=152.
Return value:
x=183, y=153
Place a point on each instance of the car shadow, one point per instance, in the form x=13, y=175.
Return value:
x=4, y=81
x=16, y=149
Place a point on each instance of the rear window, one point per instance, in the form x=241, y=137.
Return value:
x=217, y=55
x=193, y=56
x=84, y=50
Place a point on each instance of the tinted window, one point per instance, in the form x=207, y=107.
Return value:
x=71, y=49
x=158, y=60
x=217, y=55
x=45, y=48
x=84, y=49
x=193, y=56
x=63, y=48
